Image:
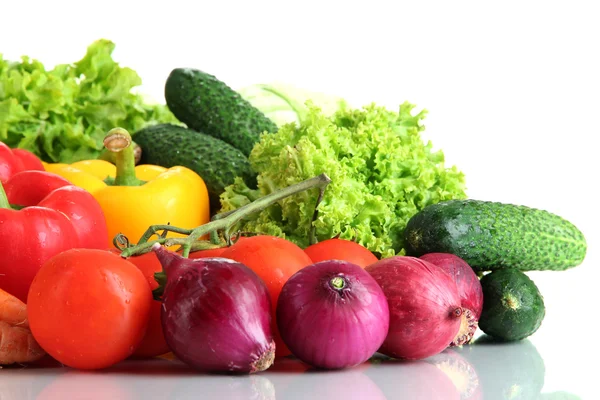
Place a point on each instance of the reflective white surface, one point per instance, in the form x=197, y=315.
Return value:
x=482, y=370
x=513, y=94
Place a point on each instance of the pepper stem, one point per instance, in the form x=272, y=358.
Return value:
x=226, y=222
x=118, y=141
x=3, y=199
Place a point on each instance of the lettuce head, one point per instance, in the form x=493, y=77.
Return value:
x=62, y=114
x=382, y=174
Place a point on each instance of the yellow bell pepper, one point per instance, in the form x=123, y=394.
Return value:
x=88, y=174
x=135, y=197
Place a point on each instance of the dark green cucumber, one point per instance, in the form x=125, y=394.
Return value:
x=217, y=162
x=513, y=307
x=208, y=105
x=490, y=236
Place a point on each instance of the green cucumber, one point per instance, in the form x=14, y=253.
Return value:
x=206, y=104
x=217, y=162
x=513, y=307
x=491, y=235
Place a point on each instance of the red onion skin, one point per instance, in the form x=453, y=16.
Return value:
x=469, y=287
x=216, y=314
x=332, y=328
x=424, y=307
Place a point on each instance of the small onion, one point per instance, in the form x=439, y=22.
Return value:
x=332, y=314
x=469, y=289
x=425, y=311
x=216, y=314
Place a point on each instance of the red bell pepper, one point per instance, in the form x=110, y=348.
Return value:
x=55, y=216
x=16, y=160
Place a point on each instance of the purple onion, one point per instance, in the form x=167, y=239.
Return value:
x=216, y=314
x=469, y=289
x=332, y=314
x=425, y=310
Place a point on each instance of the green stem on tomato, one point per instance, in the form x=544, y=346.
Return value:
x=229, y=220
x=214, y=235
x=118, y=140
x=154, y=229
x=3, y=199
x=205, y=245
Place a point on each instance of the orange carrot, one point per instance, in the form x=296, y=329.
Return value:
x=12, y=310
x=17, y=344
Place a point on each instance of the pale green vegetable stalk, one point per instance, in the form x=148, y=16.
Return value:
x=283, y=103
x=63, y=114
x=381, y=170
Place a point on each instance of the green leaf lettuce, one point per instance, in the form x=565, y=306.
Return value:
x=62, y=114
x=382, y=174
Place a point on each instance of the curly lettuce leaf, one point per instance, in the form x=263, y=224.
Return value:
x=62, y=114
x=382, y=174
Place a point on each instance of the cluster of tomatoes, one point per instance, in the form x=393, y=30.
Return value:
x=90, y=309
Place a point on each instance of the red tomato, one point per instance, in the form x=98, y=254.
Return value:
x=208, y=253
x=340, y=249
x=89, y=308
x=274, y=260
x=154, y=343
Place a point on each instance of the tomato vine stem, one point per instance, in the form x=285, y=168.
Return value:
x=225, y=221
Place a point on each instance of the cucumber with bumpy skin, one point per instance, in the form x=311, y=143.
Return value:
x=491, y=235
x=206, y=104
x=513, y=307
x=217, y=162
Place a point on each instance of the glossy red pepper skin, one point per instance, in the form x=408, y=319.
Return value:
x=29, y=237
x=16, y=160
x=28, y=188
x=8, y=163
x=57, y=216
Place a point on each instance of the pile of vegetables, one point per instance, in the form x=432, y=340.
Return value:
x=338, y=234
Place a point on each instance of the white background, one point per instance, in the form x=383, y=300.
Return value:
x=512, y=89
